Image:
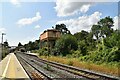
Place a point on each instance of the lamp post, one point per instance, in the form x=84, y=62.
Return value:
x=2, y=44
x=2, y=37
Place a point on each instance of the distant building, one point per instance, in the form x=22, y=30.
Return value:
x=48, y=38
x=13, y=47
x=50, y=34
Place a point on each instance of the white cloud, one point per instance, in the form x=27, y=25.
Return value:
x=85, y=8
x=81, y=23
x=23, y=41
x=37, y=26
x=15, y=2
x=27, y=21
x=116, y=22
x=67, y=8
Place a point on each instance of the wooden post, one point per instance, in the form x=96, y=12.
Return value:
x=40, y=44
x=48, y=47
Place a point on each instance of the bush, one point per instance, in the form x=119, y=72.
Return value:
x=65, y=44
x=70, y=63
x=41, y=52
x=106, y=55
x=76, y=53
x=82, y=47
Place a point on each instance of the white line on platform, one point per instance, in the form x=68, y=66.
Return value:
x=4, y=73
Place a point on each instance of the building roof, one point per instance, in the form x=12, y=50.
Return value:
x=50, y=30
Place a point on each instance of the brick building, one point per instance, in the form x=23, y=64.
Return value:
x=48, y=38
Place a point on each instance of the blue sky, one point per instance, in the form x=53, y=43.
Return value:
x=25, y=21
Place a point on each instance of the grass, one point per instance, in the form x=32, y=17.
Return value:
x=48, y=67
x=104, y=68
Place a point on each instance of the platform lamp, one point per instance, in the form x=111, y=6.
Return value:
x=2, y=44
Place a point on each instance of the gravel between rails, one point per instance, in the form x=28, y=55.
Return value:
x=32, y=72
x=58, y=71
x=52, y=72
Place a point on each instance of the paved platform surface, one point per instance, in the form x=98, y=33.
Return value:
x=11, y=68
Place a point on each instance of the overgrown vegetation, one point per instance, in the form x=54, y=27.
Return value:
x=4, y=49
x=103, y=68
x=32, y=45
x=65, y=44
x=99, y=46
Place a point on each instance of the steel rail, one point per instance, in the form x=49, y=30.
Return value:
x=101, y=76
x=49, y=78
x=82, y=70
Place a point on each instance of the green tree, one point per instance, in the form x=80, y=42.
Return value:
x=82, y=47
x=81, y=35
x=5, y=49
x=108, y=49
x=62, y=28
x=113, y=40
x=32, y=45
x=87, y=37
x=66, y=43
x=29, y=46
x=96, y=31
x=6, y=44
x=19, y=44
x=103, y=28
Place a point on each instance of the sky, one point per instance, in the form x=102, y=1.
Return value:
x=25, y=21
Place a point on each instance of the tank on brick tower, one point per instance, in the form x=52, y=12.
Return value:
x=48, y=38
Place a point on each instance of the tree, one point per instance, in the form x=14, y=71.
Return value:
x=19, y=44
x=6, y=44
x=82, y=47
x=62, y=28
x=103, y=28
x=113, y=40
x=81, y=35
x=87, y=37
x=5, y=49
x=96, y=31
x=107, y=21
x=106, y=26
x=32, y=45
x=66, y=43
x=29, y=46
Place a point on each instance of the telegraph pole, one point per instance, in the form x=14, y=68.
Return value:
x=2, y=44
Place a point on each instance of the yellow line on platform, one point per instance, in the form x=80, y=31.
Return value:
x=11, y=70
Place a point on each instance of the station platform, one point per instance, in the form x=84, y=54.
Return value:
x=35, y=54
x=10, y=68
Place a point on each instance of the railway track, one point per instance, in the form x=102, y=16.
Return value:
x=62, y=71
x=85, y=73
x=33, y=73
x=48, y=71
